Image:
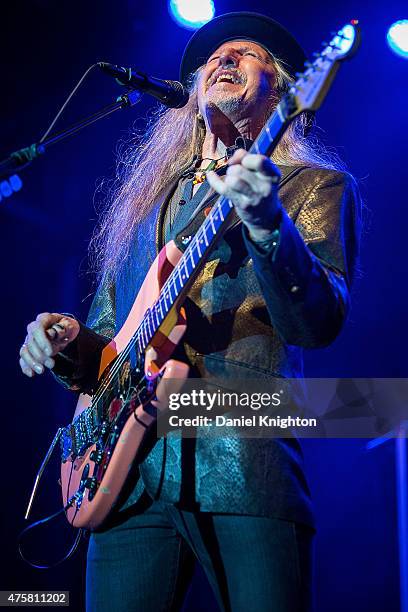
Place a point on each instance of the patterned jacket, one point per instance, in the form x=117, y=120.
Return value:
x=250, y=313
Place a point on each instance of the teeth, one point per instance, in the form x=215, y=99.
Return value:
x=228, y=77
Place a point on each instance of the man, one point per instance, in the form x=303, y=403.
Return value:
x=277, y=282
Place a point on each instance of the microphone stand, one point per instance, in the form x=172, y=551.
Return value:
x=23, y=157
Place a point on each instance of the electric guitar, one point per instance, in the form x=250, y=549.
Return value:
x=109, y=428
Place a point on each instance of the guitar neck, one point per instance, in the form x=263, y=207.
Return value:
x=271, y=132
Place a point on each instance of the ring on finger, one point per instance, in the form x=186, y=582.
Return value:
x=57, y=327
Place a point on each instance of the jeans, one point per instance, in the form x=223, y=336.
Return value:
x=145, y=562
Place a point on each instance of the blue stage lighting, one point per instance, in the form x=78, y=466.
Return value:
x=191, y=14
x=397, y=37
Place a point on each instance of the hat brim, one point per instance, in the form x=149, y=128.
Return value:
x=242, y=26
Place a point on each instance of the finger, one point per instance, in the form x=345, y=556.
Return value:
x=247, y=173
x=70, y=327
x=51, y=333
x=237, y=157
x=260, y=184
x=30, y=361
x=64, y=331
x=46, y=319
x=40, y=356
x=261, y=164
x=51, y=338
x=41, y=340
x=34, y=349
x=49, y=363
x=237, y=186
x=26, y=369
x=37, y=328
x=216, y=183
x=57, y=338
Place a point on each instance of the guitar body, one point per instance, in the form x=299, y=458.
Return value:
x=92, y=480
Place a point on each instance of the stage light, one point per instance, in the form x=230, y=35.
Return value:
x=10, y=186
x=397, y=37
x=191, y=14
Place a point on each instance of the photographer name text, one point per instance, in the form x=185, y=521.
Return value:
x=255, y=420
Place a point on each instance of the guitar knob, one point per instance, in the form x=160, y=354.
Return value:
x=96, y=456
x=91, y=483
x=104, y=428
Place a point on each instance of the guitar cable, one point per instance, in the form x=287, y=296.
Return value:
x=48, y=518
x=69, y=554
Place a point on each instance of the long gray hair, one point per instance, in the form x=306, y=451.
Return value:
x=152, y=161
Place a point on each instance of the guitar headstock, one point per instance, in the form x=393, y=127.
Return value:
x=311, y=87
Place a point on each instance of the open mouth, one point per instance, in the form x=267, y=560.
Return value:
x=226, y=77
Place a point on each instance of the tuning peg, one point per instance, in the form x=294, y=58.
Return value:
x=316, y=54
x=308, y=64
x=304, y=77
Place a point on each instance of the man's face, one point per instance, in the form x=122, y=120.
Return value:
x=238, y=77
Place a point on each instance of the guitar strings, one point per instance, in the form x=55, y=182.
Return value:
x=171, y=280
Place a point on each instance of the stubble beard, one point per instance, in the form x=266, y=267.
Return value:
x=230, y=105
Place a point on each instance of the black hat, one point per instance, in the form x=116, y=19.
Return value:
x=247, y=26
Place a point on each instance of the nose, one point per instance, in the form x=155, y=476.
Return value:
x=228, y=59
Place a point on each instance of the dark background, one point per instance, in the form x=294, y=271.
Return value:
x=45, y=47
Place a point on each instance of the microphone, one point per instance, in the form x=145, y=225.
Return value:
x=170, y=93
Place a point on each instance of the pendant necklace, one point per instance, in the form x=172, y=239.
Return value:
x=201, y=175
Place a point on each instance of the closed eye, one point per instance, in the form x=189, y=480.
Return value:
x=241, y=52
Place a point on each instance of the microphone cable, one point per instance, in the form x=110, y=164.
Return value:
x=67, y=101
